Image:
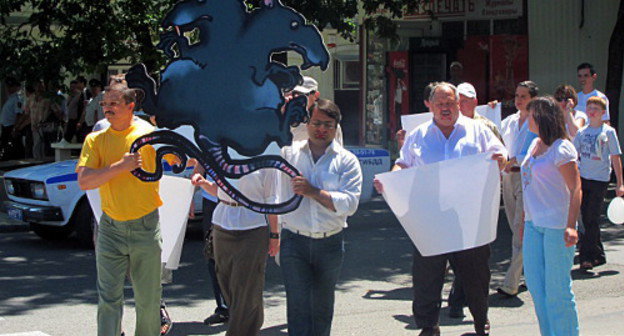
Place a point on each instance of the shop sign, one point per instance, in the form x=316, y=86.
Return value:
x=467, y=9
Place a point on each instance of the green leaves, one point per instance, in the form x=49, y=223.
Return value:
x=54, y=39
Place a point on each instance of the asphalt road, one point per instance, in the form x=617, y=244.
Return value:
x=48, y=288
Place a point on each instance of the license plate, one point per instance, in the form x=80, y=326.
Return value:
x=16, y=214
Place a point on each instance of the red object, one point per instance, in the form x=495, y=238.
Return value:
x=509, y=64
x=474, y=58
x=331, y=45
x=398, y=82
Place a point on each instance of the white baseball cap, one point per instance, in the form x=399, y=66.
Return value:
x=467, y=90
x=309, y=84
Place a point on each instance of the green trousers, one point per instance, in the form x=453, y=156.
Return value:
x=133, y=245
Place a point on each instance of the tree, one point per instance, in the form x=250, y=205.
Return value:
x=62, y=37
x=615, y=65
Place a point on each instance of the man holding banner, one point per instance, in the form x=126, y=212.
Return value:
x=449, y=136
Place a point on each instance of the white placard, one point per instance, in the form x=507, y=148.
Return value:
x=441, y=210
x=176, y=194
x=494, y=114
x=409, y=122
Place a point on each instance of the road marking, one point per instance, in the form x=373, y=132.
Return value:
x=28, y=333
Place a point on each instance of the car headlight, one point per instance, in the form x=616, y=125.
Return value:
x=10, y=189
x=38, y=191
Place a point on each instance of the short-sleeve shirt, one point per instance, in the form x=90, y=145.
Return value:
x=582, y=102
x=11, y=108
x=259, y=186
x=124, y=197
x=545, y=194
x=427, y=144
x=595, y=146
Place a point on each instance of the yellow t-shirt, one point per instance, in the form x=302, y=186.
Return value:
x=124, y=197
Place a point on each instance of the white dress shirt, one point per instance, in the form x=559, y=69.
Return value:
x=427, y=144
x=258, y=186
x=517, y=137
x=338, y=172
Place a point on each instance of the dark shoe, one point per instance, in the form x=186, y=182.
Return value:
x=599, y=262
x=586, y=265
x=165, y=321
x=483, y=330
x=216, y=318
x=430, y=331
x=505, y=294
x=456, y=312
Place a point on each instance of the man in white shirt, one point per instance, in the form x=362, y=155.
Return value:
x=449, y=135
x=517, y=138
x=312, y=236
x=11, y=109
x=587, y=77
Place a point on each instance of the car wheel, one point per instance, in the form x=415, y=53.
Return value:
x=48, y=232
x=83, y=221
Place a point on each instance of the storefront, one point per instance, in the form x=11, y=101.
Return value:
x=488, y=38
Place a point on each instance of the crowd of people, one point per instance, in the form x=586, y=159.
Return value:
x=38, y=115
x=556, y=155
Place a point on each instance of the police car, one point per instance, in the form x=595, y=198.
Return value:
x=49, y=198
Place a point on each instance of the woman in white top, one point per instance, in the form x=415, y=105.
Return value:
x=552, y=197
x=241, y=242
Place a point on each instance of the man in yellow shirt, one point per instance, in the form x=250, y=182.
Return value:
x=129, y=231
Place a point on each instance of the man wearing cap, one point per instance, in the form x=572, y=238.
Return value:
x=467, y=106
x=309, y=88
x=312, y=246
x=456, y=72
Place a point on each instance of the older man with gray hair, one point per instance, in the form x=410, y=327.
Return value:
x=449, y=135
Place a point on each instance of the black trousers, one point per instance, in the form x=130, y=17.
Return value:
x=428, y=279
x=592, y=206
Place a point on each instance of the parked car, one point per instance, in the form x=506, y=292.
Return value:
x=48, y=197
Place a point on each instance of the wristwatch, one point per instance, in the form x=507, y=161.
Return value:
x=274, y=235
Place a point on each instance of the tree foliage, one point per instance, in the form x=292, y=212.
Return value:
x=57, y=38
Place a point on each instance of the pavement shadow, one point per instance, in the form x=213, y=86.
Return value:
x=278, y=330
x=410, y=323
x=402, y=294
x=195, y=328
x=578, y=274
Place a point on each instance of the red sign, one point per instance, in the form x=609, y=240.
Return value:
x=398, y=87
x=509, y=64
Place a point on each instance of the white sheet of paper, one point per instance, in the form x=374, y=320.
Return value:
x=441, y=210
x=494, y=114
x=176, y=194
x=409, y=122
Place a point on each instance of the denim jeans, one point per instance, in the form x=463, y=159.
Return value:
x=310, y=268
x=547, y=265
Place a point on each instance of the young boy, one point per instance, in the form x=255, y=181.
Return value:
x=598, y=148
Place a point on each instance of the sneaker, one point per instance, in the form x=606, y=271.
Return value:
x=216, y=318
x=165, y=322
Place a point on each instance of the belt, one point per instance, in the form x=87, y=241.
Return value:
x=232, y=204
x=514, y=169
x=315, y=235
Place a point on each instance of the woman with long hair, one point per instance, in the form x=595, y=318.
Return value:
x=552, y=197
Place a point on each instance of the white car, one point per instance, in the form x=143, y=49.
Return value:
x=49, y=198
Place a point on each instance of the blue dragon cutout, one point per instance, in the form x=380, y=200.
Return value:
x=228, y=89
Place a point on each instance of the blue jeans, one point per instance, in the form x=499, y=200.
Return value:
x=310, y=268
x=547, y=265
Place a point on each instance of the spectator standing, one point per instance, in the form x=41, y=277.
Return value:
x=587, y=77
